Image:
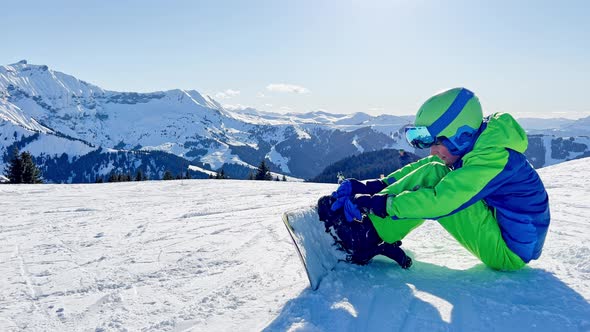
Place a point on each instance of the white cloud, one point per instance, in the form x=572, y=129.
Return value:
x=229, y=93
x=260, y=95
x=281, y=87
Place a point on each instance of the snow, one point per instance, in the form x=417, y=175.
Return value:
x=55, y=143
x=217, y=157
x=49, y=145
x=549, y=160
x=202, y=170
x=14, y=115
x=557, y=126
x=357, y=144
x=278, y=159
x=213, y=255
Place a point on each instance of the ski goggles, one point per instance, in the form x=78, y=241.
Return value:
x=420, y=137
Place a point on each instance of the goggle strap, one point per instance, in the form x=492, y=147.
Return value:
x=451, y=113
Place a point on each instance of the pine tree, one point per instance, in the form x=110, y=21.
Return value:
x=113, y=177
x=221, y=175
x=22, y=169
x=31, y=174
x=263, y=172
x=168, y=176
x=284, y=178
x=15, y=167
x=139, y=175
x=188, y=174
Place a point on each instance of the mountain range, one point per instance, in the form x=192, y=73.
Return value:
x=77, y=132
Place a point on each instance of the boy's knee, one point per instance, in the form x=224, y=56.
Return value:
x=506, y=263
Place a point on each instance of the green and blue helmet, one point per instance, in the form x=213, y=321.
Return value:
x=453, y=116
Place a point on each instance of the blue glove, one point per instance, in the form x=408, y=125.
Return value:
x=375, y=204
x=363, y=204
x=350, y=187
x=345, y=189
x=343, y=193
x=339, y=203
x=351, y=211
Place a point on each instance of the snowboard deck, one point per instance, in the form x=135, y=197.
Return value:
x=316, y=248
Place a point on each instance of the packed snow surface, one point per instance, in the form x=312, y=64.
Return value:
x=213, y=255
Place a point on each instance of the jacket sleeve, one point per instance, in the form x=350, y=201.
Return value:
x=455, y=191
x=401, y=172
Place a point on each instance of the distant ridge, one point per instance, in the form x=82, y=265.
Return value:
x=56, y=116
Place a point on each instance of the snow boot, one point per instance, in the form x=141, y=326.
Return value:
x=359, y=240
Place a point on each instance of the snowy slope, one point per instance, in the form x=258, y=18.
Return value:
x=10, y=113
x=45, y=143
x=161, y=120
x=181, y=122
x=213, y=255
x=557, y=127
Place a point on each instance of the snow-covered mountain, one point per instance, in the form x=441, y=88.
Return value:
x=547, y=150
x=213, y=255
x=77, y=131
x=183, y=123
x=557, y=126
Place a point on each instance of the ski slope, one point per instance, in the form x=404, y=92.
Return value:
x=213, y=255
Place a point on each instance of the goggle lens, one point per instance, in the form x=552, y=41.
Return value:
x=419, y=137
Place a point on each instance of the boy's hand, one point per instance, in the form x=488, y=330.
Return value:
x=347, y=188
x=350, y=187
x=375, y=204
x=351, y=211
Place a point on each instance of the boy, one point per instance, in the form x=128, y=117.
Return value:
x=476, y=183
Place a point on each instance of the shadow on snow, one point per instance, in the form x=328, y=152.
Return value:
x=428, y=297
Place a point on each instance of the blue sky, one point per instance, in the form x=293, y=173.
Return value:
x=529, y=58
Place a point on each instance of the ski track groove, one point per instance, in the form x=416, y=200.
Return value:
x=32, y=298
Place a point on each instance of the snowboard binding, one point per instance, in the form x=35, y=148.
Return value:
x=358, y=239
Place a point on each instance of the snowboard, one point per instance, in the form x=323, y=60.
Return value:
x=316, y=248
